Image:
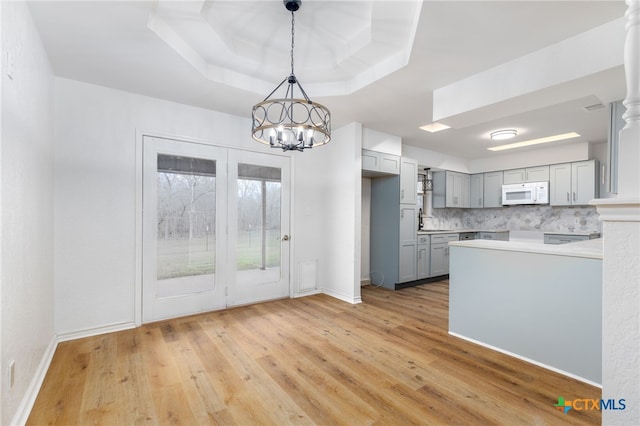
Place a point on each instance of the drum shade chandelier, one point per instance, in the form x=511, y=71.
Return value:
x=289, y=122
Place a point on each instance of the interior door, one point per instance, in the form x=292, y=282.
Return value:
x=259, y=240
x=184, y=238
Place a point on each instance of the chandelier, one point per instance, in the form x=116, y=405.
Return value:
x=289, y=121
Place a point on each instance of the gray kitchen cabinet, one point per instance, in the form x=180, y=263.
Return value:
x=529, y=174
x=408, y=243
x=440, y=253
x=451, y=189
x=393, y=238
x=424, y=255
x=408, y=182
x=536, y=174
x=493, y=189
x=490, y=235
x=513, y=176
x=572, y=184
x=476, y=191
x=380, y=163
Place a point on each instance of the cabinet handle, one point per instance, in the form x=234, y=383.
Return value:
x=568, y=197
x=574, y=196
x=402, y=194
x=480, y=201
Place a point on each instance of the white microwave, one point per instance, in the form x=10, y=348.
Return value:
x=525, y=193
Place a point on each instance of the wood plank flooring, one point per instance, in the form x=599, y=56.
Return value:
x=313, y=360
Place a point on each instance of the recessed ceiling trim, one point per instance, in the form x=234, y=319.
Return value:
x=376, y=45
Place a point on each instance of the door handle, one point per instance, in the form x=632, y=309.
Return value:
x=285, y=238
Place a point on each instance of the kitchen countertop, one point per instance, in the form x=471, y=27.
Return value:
x=586, y=234
x=459, y=231
x=588, y=249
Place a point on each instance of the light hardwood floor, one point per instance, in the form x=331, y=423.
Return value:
x=313, y=360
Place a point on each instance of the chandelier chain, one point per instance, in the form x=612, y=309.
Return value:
x=293, y=22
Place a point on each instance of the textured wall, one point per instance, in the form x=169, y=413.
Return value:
x=522, y=218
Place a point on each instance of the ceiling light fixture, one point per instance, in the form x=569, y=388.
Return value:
x=434, y=127
x=548, y=139
x=287, y=122
x=499, y=135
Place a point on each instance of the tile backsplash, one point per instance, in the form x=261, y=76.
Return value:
x=523, y=218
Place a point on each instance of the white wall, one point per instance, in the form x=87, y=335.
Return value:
x=95, y=203
x=27, y=208
x=381, y=142
x=435, y=160
x=538, y=157
x=341, y=227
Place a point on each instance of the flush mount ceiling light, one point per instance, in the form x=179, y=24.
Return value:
x=289, y=122
x=548, y=139
x=499, y=135
x=435, y=127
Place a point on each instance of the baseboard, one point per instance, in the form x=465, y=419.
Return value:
x=306, y=293
x=344, y=298
x=29, y=398
x=421, y=281
x=95, y=331
x=529, y=360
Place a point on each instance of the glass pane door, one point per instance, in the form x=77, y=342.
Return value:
x=183, y=237
x=261, y=223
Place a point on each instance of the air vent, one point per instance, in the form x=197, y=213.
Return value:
x=593, y=107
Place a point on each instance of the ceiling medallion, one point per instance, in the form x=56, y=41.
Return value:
x=289, y=122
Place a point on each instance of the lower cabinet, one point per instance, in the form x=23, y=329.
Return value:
x=440, y=253
x=424, y=253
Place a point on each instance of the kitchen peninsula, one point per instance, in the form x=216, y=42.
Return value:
x=541, y=303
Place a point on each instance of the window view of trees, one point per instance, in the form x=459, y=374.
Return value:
x=258, y=224
x=186, y=224
x=186, y=213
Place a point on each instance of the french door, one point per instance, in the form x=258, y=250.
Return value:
x=215, y=224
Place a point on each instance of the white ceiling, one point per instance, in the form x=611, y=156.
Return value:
x=375, y=62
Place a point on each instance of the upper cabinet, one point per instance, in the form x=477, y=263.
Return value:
x=573, y=184
x=451, y=189
x=476, y=191
x=408, y=181
x=379, y=163
x=493, y=189
x=529, y=174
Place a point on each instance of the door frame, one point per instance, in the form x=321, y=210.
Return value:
x=139, y=159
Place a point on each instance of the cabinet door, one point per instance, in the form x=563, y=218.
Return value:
x=465, y=196
x=423, y=261
x=493, y=189
x=560, y=184
x=408, y=181
x=513, y=176
x=389, y=164
x=450, y=200
x=583, y=182
x=408, y=242
x=370, y=160
x=476, y=191
x=457, y=189
x=439, y=260
x=537, y=174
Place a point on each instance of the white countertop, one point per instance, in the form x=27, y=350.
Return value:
x=589, y=248
x=459, y=231
x=585, y=234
